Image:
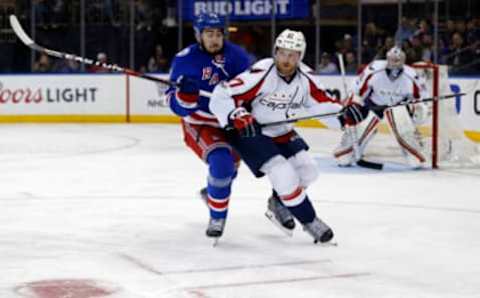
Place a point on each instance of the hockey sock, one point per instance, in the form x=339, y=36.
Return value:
x=221, y=173
x=304, y=212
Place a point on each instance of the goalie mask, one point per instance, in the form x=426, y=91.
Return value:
x=291, y=40
x=395, y=62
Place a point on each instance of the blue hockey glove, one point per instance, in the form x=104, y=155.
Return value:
x=188, y=91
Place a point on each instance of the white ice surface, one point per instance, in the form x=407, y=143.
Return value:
x=117, y=204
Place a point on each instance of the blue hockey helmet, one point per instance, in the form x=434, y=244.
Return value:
x=208, y=20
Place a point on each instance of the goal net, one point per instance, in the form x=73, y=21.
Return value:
x=441, y=136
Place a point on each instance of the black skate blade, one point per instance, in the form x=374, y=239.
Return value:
x=370, y=164
x=269, y=214
x=326, y=244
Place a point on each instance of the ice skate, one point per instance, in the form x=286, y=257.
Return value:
x=280, y=216
x=319, y=231
x=215, y=229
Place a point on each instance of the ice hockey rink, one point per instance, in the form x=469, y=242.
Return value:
x=91, y=211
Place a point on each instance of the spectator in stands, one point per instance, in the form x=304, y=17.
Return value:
x=473, y=31
x=58, y=12
x=66, y=66
x=42, y=12
x=459, y=56
x=351, y=65
x=169, y=20
x=102, y=58
x=461, y=28
x=368, y=52
x=347, y=45
x=446, y=36
x=143, y=15
x=423, y=28
x=108, y=11
x=387, y=45
x=373, y=35
x=414, y=53
x=405, y=31
x=158, y=62
x=326, y=65
x=427, y=48
x=473, y=39
x=43, y=64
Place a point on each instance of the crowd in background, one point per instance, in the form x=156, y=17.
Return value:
x=459, y=45
x=156, y=26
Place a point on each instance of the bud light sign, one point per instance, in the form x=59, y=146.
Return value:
x=239, y=10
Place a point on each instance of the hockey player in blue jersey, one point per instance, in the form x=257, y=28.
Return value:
x=202, y=66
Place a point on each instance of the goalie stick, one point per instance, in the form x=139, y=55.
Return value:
x=336, y=114
x=408, y=102
x=17, y=28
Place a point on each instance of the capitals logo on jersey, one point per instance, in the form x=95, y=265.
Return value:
x=281, y=101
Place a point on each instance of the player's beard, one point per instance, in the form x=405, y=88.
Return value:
x=218, y=50
x=286, y=69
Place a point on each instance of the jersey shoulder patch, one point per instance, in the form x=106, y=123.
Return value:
x=183, y=52
x=263, y=64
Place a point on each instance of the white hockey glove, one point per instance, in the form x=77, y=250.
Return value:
x=420, y=113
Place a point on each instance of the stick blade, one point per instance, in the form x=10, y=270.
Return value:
x=17, y=28
x=370, y=164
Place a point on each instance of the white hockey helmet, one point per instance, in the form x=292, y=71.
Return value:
x=395, y=58
x=291, y=40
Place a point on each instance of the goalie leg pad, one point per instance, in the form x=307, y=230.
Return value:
x=404, y=131
x=366, y=130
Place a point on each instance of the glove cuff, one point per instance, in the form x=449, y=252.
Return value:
x=236, y=113
x=187, y=100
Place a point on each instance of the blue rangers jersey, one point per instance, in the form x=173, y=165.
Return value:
x=209, y=70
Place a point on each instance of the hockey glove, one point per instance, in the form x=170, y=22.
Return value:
x=188, y=91
x=419, y=112
x=353, y=114
x=243, y=122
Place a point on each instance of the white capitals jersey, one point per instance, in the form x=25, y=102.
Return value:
x=375, y=85
x=270, y=98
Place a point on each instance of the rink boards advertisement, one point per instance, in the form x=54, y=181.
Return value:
x=122, y=98
x=62, y=98
x=244, y=10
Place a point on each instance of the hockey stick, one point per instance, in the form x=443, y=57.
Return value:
x=404, y=103
x=336, y=114
x=17, y=28
x=293, y=120
x=352, y=132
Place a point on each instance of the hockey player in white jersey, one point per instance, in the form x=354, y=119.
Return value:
x=384, y=83
x=275, y=89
